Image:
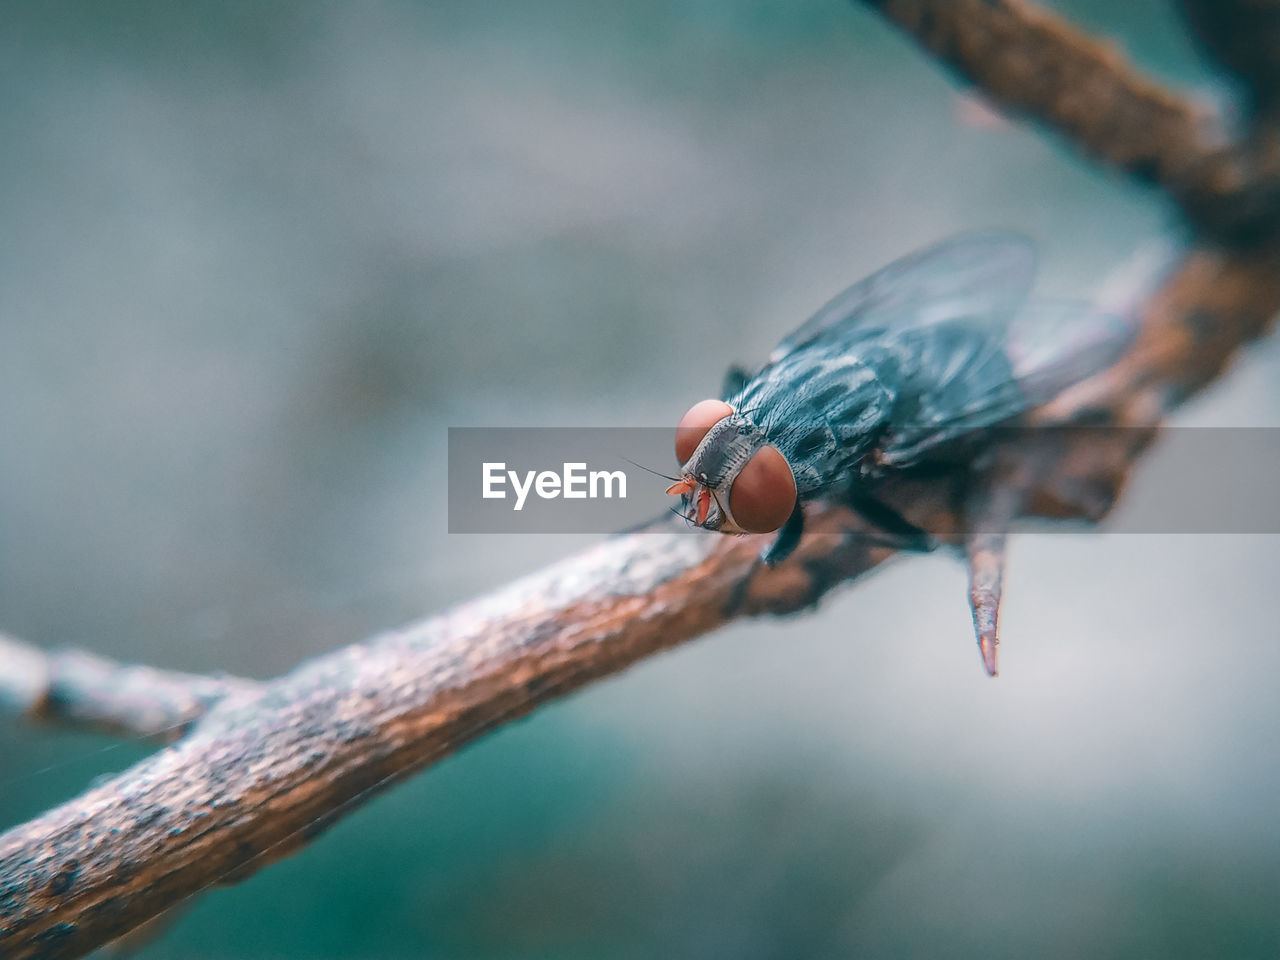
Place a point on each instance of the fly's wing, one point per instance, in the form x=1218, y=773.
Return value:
x=1055, y=345
x=961, y=378
x=981, y=276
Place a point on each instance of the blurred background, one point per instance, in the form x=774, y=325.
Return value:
x=257, y=257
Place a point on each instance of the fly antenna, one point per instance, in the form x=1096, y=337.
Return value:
x=654, y=472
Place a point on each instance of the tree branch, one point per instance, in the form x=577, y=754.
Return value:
x=1037, y=64
x=255, y=778
x=74, y=688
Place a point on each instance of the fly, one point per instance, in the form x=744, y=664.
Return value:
x=932, y=349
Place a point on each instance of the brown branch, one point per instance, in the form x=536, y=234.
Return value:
x=1038, y=65
x=255, y=779
x=79, y=689
x=252, y=780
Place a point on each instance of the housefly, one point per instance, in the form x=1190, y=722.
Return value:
x=927, y=352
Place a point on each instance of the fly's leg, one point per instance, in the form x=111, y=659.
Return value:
x=787, y=538
x=892, y=529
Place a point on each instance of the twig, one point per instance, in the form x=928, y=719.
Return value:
x=1037, y=64
x=75, y=688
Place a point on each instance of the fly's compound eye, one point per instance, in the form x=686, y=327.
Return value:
x=764, y=493
x=694, y=425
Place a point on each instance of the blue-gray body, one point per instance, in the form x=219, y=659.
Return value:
x=932, y=348
x=935, y=347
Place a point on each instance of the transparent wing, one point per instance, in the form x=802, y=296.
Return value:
x=984, y=276
x=962, y=379
x=1053, y=345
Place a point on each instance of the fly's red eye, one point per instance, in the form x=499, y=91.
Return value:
x=764, y=493
x=694, y=425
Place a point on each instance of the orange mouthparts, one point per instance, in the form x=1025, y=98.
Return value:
x=683, y=488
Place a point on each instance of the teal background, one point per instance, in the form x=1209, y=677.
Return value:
x=257, y=257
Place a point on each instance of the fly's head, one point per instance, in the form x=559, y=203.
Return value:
x=730, y=479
